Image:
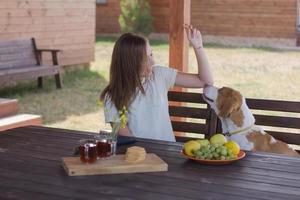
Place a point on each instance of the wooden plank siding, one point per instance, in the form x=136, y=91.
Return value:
x=107, y=16
x=255, y=18
x=59, y=24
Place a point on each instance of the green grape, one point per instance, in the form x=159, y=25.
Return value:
x=204, y=152
x=198, y=153
x=206, y=148
x=228, y=157
x=212, y=149
x=209, y=156
x=222, y=158
x=224, y=152
x=223, y=148
x=215, y=155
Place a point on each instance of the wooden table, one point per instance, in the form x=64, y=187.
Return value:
x=30, y=168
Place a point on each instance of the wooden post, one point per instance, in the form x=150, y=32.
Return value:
x=179, y=44
x=298, y=25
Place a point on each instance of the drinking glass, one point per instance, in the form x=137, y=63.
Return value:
x=88, y=150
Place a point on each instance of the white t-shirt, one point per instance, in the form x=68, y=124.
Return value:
x=148, y=114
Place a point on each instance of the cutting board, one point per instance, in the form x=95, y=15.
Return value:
x=113, y=165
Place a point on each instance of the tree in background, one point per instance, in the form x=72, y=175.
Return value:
x=135, y=17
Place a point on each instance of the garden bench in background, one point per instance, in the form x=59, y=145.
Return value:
x=21, y=60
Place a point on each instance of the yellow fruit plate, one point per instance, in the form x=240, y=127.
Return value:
x=241, y=155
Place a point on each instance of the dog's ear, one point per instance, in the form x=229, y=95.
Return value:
x=237, y=117
x=226, y=109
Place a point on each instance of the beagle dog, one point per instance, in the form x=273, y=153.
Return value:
x=238, y=123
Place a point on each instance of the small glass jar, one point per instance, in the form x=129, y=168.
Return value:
x=88, y=151
x=106, y=144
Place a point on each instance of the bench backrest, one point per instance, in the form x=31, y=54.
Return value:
x=17, y=53
x=279, y=118
x=194, y=108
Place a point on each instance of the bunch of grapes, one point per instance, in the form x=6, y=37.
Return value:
x=214, y=152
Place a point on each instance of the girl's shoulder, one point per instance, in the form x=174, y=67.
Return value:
x=164, y=75
x=158, y=68
x=163, y=70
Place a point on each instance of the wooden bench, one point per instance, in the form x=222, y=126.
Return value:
x=21, y=60
x=195, y=116
x=281, y=119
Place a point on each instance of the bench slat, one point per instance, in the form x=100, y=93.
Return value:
x=188, y=97
x=19, y=43
x=276, y=121
x=14, y=49
x=273, y=105
x=189, y=127
x=28, y=55
x=290, y=138
x=13, y=75
x=183, y=138
x=17, y=64
x=189, y=112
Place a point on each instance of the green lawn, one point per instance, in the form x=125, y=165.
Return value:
x=256, y=72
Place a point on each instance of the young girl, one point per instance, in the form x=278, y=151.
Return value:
x=142, y=87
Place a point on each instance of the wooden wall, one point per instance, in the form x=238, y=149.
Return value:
x=107, y=16
x=255, y=18
x=62, y=24
x=251, y=18
x=160, y=10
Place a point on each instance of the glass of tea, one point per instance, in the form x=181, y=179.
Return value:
x=88, y=150
x=106, y=144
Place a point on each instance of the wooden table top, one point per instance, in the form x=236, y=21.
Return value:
x=30, y=168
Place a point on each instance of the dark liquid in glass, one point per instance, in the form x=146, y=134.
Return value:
x=104, y=149
x=88, y=152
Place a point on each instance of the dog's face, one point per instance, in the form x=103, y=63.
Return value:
x=226, y=102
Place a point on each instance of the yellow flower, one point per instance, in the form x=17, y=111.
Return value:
x=123, y=117
x=100, y=103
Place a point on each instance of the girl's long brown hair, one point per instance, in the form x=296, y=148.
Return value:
x=128, y=56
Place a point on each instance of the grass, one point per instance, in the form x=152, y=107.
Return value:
x=256, y=72
x=66, y=108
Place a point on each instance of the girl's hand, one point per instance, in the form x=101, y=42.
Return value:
x=194, y=36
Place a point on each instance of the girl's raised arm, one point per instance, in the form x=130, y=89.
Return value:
x=204, y=76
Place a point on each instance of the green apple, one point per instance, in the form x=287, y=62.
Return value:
x=218, y=139
x=191, y=147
